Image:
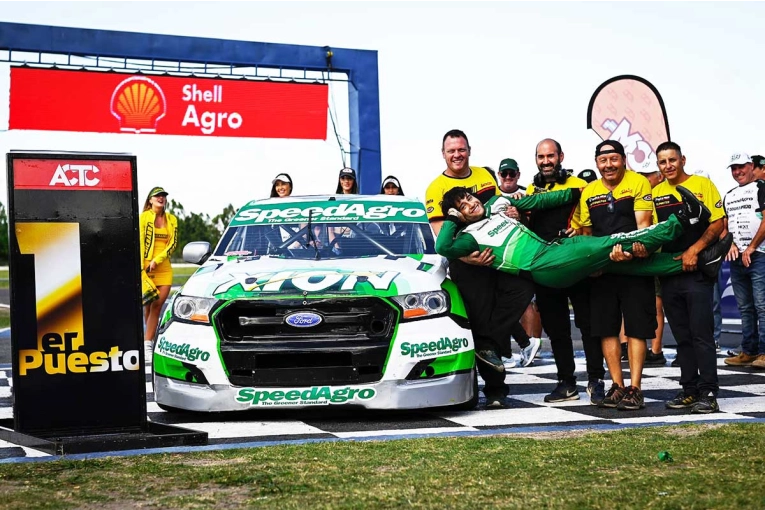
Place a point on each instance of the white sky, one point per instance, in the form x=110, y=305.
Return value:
x=508, y=74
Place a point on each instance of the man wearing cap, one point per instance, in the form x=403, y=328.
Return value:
x=620, y=201
x=758, y=166
x=508, y=177
x=553, y=303
x=494, y=301
x=744, y=206
x=687, y=297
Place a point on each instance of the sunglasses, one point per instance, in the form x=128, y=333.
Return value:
x=611, y=201
x=508, y=173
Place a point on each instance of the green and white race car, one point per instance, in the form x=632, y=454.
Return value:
x=316, y=301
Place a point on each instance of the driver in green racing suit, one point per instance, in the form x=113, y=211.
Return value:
x=563, y=262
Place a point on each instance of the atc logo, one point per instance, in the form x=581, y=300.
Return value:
x=139, y=104
x=82, y=175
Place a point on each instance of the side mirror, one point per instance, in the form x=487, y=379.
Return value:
x=197, y=252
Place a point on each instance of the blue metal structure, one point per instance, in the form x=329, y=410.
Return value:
x=182, y=54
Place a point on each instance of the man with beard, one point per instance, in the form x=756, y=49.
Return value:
x=494, y=301
x=620, y=201
x=550, y=224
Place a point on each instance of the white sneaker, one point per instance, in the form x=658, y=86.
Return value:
x=509, y=362
x=530, y=352
x=148, y=350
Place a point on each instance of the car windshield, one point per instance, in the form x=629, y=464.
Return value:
x=327, y=240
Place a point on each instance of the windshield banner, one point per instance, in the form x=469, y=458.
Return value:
x=329, y=212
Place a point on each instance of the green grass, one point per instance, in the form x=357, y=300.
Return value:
x=714, y=467
x=5, y=317
x=180, y=275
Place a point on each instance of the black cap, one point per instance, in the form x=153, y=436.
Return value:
x=348, y=172
x=618, y=148
x=588, y=175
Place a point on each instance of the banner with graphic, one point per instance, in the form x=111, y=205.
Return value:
x=76, y=325
x=630, y=110
x=109, y=102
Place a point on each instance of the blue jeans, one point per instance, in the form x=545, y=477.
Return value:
x=749, y=289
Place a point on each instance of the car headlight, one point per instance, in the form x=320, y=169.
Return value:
x=422, y=304
x=194, y=309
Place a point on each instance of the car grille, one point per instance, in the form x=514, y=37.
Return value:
x=350, y=345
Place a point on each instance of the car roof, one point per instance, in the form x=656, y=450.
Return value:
x=338, y=198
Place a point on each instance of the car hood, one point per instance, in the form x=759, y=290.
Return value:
x=271, y=276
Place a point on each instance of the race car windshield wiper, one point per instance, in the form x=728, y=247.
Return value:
x=312, y=237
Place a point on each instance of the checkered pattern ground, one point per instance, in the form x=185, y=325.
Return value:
x=742, y=396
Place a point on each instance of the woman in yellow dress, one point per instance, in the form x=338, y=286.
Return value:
x=159, y=237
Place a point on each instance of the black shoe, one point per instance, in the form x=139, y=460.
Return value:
x=693, y=210
x=597, y=392
x=655, y=360
x=682, y=401
x=706, y=404
x=491, y=359
x=711, y=258
x=625, y=354
x=613, y=396
x=563, y=392
x=632, y=399
x=495, y=400
x=675, y=363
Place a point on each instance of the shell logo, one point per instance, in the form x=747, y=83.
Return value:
x=138, y=103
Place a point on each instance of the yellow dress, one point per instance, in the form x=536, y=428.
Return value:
x=163, y=273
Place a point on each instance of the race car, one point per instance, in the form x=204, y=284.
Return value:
x=336, y=300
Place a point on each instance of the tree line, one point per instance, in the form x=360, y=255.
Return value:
x=191, y=227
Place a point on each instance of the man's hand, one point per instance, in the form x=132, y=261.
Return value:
x=512, y=212
x=639, y=250
x=517, y=195
x=732, y=253
x=619, y=255
x=479, y=258
x=746, y=256
x=690, y=258
x=456, y=214
x=571, y=232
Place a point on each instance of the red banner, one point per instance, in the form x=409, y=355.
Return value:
x=629, y=109
x=73, y=175
x=107, y=102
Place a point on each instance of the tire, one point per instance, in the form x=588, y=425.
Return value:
x=473, y=402
x=170, y=409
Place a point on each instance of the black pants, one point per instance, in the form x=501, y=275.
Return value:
x=554, y=312
x=494, y=302
x=687, y=302
x=519, y=334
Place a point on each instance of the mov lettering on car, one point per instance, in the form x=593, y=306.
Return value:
x=442, y=347
x=314, y=396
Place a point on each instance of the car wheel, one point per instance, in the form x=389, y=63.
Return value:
x=473, y=402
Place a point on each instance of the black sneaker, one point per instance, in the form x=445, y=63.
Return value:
x=693, y=210
x=632, y=399
x=711, y=258
x=613, y=396
x=597, y=391
x=706, y=404
x=675, y=363
x=682, y=401
x=495, y=400
x=625, y=354
x=490, y=358
x=652, y=359
x=563, y=392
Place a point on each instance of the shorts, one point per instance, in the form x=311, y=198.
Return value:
x=614, y=296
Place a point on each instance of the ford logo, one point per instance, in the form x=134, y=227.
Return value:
x=303, y=319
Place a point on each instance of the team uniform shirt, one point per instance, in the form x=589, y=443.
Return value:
x=668, y=201
x=510, y=241
x=548, y=222
x=630, y=195
x=743, y=206
x=480, y=183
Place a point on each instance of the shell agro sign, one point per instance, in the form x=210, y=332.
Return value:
x=107, y=102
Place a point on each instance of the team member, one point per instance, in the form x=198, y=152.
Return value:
x=758, y=167
x=744, y=207
x=281, y=186
x=494, y=302
x=588, y=175
x=158, y=234
x=391, y=186
x=560, y=264
x=507, y=178
x=550, y=224
x=620, y=201
x=688, y=296
x=346, y=182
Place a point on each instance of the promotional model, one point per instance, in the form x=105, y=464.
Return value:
x=317, y=301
